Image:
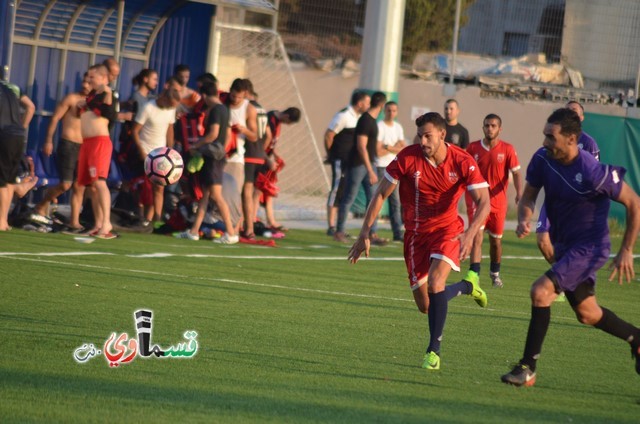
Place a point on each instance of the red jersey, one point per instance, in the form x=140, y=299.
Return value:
x=495, y=164
x=429, y=194
x=274, y=126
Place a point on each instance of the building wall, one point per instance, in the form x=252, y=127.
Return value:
x=602, y=38
x=503, y=27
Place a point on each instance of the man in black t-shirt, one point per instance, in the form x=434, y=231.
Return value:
x=212, y=172
x=13, y=126
x=338, y=141
x=456, y=133
x=361, y=170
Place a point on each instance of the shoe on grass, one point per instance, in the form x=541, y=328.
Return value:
x=187, y=235
x=477, y=293
x=496, y=281
x=227, y=239
x=431, y=361
x=520, y=375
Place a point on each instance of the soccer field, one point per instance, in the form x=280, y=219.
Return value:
x=288, y=334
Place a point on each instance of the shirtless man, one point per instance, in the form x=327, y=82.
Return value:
x=97, y=110
x=67, y=154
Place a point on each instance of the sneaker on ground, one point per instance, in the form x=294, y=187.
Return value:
x=431, y=361
x=378, y=241
x=227, y=239
x=477, y=293
x=340, y=237
x=561, y=298
x=496, y=280
x=40, y=219
x=331, y=231
x=73, y=231
x=520, y=375
x=186, y=235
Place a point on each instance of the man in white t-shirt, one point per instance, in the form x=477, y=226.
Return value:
x=153, y=128
x=390, y=142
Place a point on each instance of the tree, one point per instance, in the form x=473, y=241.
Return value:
x=429, y=24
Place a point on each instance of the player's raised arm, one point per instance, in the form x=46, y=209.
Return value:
x=622, y=264
x=526, y=206
x=362, y=244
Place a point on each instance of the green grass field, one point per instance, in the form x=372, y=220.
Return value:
x=289, y=334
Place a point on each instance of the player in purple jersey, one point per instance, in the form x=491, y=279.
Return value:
x=578, y=190
x=586, y=143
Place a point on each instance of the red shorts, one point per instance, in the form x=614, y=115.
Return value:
x=94, y=159
x=421, y=248
x=495, y=221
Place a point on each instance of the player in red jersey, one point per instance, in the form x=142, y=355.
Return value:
x=496, y=158
x=432, y=176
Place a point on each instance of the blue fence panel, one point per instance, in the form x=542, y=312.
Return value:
x=184, y=38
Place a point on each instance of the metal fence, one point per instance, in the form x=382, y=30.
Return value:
x=590, y=46
x=258, y=54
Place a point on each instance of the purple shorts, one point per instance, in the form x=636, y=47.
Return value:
x=579, y=265
x=542, y=226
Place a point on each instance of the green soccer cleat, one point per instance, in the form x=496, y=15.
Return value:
x=477, y=293
x=431, y=361
x=561, y=298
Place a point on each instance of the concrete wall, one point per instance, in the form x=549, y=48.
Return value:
x=490, y=20
x=602, y=38
x=324, y=94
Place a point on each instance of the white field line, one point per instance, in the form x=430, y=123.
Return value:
x=249, y=257
x=253, y=284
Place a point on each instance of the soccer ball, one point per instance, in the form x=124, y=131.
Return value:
x=163, y=166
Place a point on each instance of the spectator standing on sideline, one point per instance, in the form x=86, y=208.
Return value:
x=212, y=172
x=275, y=120
x=13, y=131
x=338, y=143
x=153, y=128
x=94, y=159
x=189, y=97
x=361, y=170
x=457, y=134
x=66, y=155
x=390, y=143
x=244, y=129
x=254, y=158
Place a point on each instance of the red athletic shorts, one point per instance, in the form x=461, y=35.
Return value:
x=421, y=248
x=495, y=221
x=94, y=159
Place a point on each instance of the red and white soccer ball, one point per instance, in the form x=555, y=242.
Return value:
x=163, y=166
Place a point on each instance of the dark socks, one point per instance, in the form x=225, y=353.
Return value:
x=610, y=323
x=475, y=267
x=538, y=326
x=495, y=267
x=456, y=289
x=438, y=305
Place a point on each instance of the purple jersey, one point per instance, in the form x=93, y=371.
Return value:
x=586, y=143
x=576, y=197
x=589, y=145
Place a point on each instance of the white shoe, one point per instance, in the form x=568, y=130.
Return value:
x=227, y=239
x=496, y=280
x=186, y=235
